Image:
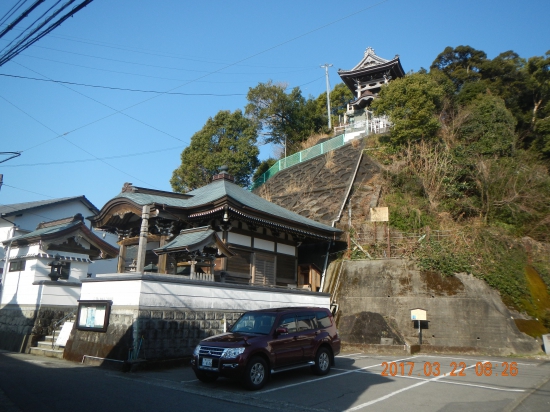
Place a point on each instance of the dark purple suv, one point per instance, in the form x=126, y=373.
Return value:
x=268, y=341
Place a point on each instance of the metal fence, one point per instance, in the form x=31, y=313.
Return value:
x=374, y=241
x=372, y=125
x=299, y=157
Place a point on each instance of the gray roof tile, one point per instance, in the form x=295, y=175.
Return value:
x=217, y=190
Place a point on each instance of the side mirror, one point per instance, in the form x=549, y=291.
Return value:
x=281, y=331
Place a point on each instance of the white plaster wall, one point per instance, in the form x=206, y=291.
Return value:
x=59, y=295
x=264, y=245
x=29, y=221
x=148, y=293
x=122, y=293
x=18, y=287
x=239, y=239
x=286, y=249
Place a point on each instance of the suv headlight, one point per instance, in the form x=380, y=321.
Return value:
x=196, y=351
x=232, y=352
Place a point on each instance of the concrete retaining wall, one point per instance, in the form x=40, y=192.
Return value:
x=463, y=311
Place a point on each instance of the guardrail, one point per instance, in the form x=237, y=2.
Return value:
x=372, y=126
x=299, y=157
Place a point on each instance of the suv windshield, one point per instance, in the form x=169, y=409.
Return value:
x=258, y=323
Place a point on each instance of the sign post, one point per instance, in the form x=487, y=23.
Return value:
x=419, y=315
x=381, y=214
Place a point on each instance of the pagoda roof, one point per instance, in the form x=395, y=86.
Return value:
x=218, y=196
x=371, y=65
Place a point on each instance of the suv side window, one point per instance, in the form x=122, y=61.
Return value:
x=323, y=319
x=289, y=322
x=306, y=321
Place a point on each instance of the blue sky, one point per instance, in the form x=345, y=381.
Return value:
x=214, y=51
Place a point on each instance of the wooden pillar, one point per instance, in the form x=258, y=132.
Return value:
x=162, y=258
x=142, y=248
x=121, y=267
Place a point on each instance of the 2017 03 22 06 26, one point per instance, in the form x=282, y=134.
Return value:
x=484, y=368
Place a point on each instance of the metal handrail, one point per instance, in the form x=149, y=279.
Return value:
x=56, y=324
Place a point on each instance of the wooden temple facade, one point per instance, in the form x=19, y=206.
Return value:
x=219, y=232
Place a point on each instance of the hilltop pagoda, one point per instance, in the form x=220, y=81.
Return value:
x=365, y=81
x=368, y=76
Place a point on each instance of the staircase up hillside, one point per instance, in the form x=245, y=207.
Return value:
x=320, y=188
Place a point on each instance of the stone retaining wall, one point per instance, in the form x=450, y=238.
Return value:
x=167, y=334
x=22, y=326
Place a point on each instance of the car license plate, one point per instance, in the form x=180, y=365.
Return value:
x=207, y=362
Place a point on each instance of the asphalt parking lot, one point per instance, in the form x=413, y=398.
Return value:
x=357, y=382
x=366, y=382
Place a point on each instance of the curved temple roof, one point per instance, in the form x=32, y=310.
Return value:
x=211, y=198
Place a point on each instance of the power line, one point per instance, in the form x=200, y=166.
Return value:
x=64, y=162
x=29, y=191
x=106, y=105
x=166, y=67
x=74, y=144
x=21, y=17
x=33, y=23
x=120, y=88
x=128, y=73
x=11, y=11
x=27, y=41
x=155, y=53
x=223, y=68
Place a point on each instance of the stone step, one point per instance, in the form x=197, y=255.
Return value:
x=50, y=353
x=46, y=345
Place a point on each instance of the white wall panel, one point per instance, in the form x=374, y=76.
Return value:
x=264, y=245
x=286, y=249
x=238, y=239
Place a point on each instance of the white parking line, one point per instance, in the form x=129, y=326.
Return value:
x=389, y=395
x=326, y=377
x=348, y=355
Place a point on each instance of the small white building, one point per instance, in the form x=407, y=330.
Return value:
x=38, y=243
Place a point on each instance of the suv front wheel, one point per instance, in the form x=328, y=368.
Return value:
x=256, y=373
x=322, y=362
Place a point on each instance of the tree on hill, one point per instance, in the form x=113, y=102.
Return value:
x=226, y=139
x=462, y=64
x=524, y=86
x=412, y=103
x=340, y=96
x=283, y=118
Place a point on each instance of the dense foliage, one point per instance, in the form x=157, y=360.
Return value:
x=469, y=155
x=226, y=139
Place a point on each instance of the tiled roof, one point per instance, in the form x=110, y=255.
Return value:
x=219, y=189
x=187, y=240
x=16, y=208
x=45, y=231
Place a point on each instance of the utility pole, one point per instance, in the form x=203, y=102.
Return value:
x=326, y=66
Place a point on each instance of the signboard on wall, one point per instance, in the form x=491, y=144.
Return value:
x=93, y=315
x=418, y=314
x=379, y=214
